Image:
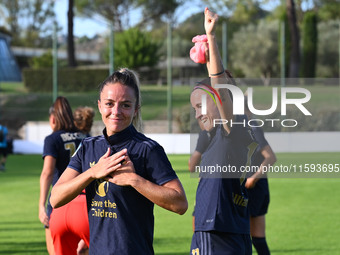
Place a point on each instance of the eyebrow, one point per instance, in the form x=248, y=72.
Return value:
x=108, y=99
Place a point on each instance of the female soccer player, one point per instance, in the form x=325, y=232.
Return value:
x=58, y=149
x=124, y=173
x=221, y=214
x=69, y=224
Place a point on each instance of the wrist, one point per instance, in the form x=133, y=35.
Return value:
x=135, y=181
x=211, y=36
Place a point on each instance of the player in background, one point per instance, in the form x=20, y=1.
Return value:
x=83, y=119
x=258, y=189
x=3, y=147
x=69, y=224
x=221, y=214
x=58, y=149
x=124, y=173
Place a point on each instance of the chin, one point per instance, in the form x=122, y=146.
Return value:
x=207, y=126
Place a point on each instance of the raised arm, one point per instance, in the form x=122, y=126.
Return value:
x=215, y=68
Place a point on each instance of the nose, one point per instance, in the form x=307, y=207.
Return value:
x=198, y=113
x=115, y=109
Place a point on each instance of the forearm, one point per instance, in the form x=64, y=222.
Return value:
x=45, y=184
x=68, y=188
x=218, y=76
x=170, y=196
x=266, y=163
x=214, y=64
x=194, y=161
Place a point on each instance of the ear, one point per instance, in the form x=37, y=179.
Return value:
x=52, y=119
x=136, y=110
x=99, y=106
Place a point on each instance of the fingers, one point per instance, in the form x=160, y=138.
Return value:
x=44, y=219
x=211, y=16
x=116, y=160
x=107, y=153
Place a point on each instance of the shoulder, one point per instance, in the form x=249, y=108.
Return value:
x=93, y=140
x=53, y=136
x=145, y=141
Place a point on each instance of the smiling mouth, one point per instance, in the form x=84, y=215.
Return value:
x=203, y=120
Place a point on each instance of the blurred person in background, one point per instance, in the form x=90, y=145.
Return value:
x=83, y=119
x=71, y=221
x=258, y=188
x=3, y=147
x=58, y=149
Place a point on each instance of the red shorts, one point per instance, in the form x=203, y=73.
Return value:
x=69, y=224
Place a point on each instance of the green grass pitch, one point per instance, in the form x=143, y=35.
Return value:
x=303, y=215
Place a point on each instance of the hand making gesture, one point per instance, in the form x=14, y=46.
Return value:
x=210, y=21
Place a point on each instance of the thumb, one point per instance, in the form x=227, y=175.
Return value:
x=107, y=153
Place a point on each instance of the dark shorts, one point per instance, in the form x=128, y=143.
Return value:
x=258, y=199
x=4, y=152
x=219, y=243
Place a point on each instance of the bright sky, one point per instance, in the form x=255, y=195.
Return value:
x=81, y=26
x=90, y=27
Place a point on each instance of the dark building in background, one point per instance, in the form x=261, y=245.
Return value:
x=9, y=69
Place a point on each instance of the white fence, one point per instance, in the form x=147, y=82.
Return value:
x=34, y=134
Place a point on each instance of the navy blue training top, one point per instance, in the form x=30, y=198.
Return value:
x=121, y=219
x=203, y=141
x=221, y=198
x=262, y=184
x=61, y=145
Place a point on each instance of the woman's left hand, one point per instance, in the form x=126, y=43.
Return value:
x=210, y=21
x=124, y=175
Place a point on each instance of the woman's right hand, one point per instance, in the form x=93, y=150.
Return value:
x=43, y=216
x=108, y=164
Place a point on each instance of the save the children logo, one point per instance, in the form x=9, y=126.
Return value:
x=101, y=187
x=238, y=104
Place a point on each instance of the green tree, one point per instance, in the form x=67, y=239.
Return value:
x=117, y=11
x=154, y=10
x=309, y=44
x=294, y=63
x=255, y=50
x=134, y=49
x=28, y=20
x=328, y=47
x=43, y=61
x=12, y=9
x=110, y=11
x=71, y=58
x=287, y=42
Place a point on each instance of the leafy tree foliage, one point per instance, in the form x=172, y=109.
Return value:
x=134, y=48
x=116, y=11
x=328, y=47
x=309, y=44
x=28, y=21
x=154, y=10
x=44, y=61
x=255, y=50
x=111, y=11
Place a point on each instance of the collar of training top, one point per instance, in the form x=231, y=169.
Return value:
x=121, y=136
